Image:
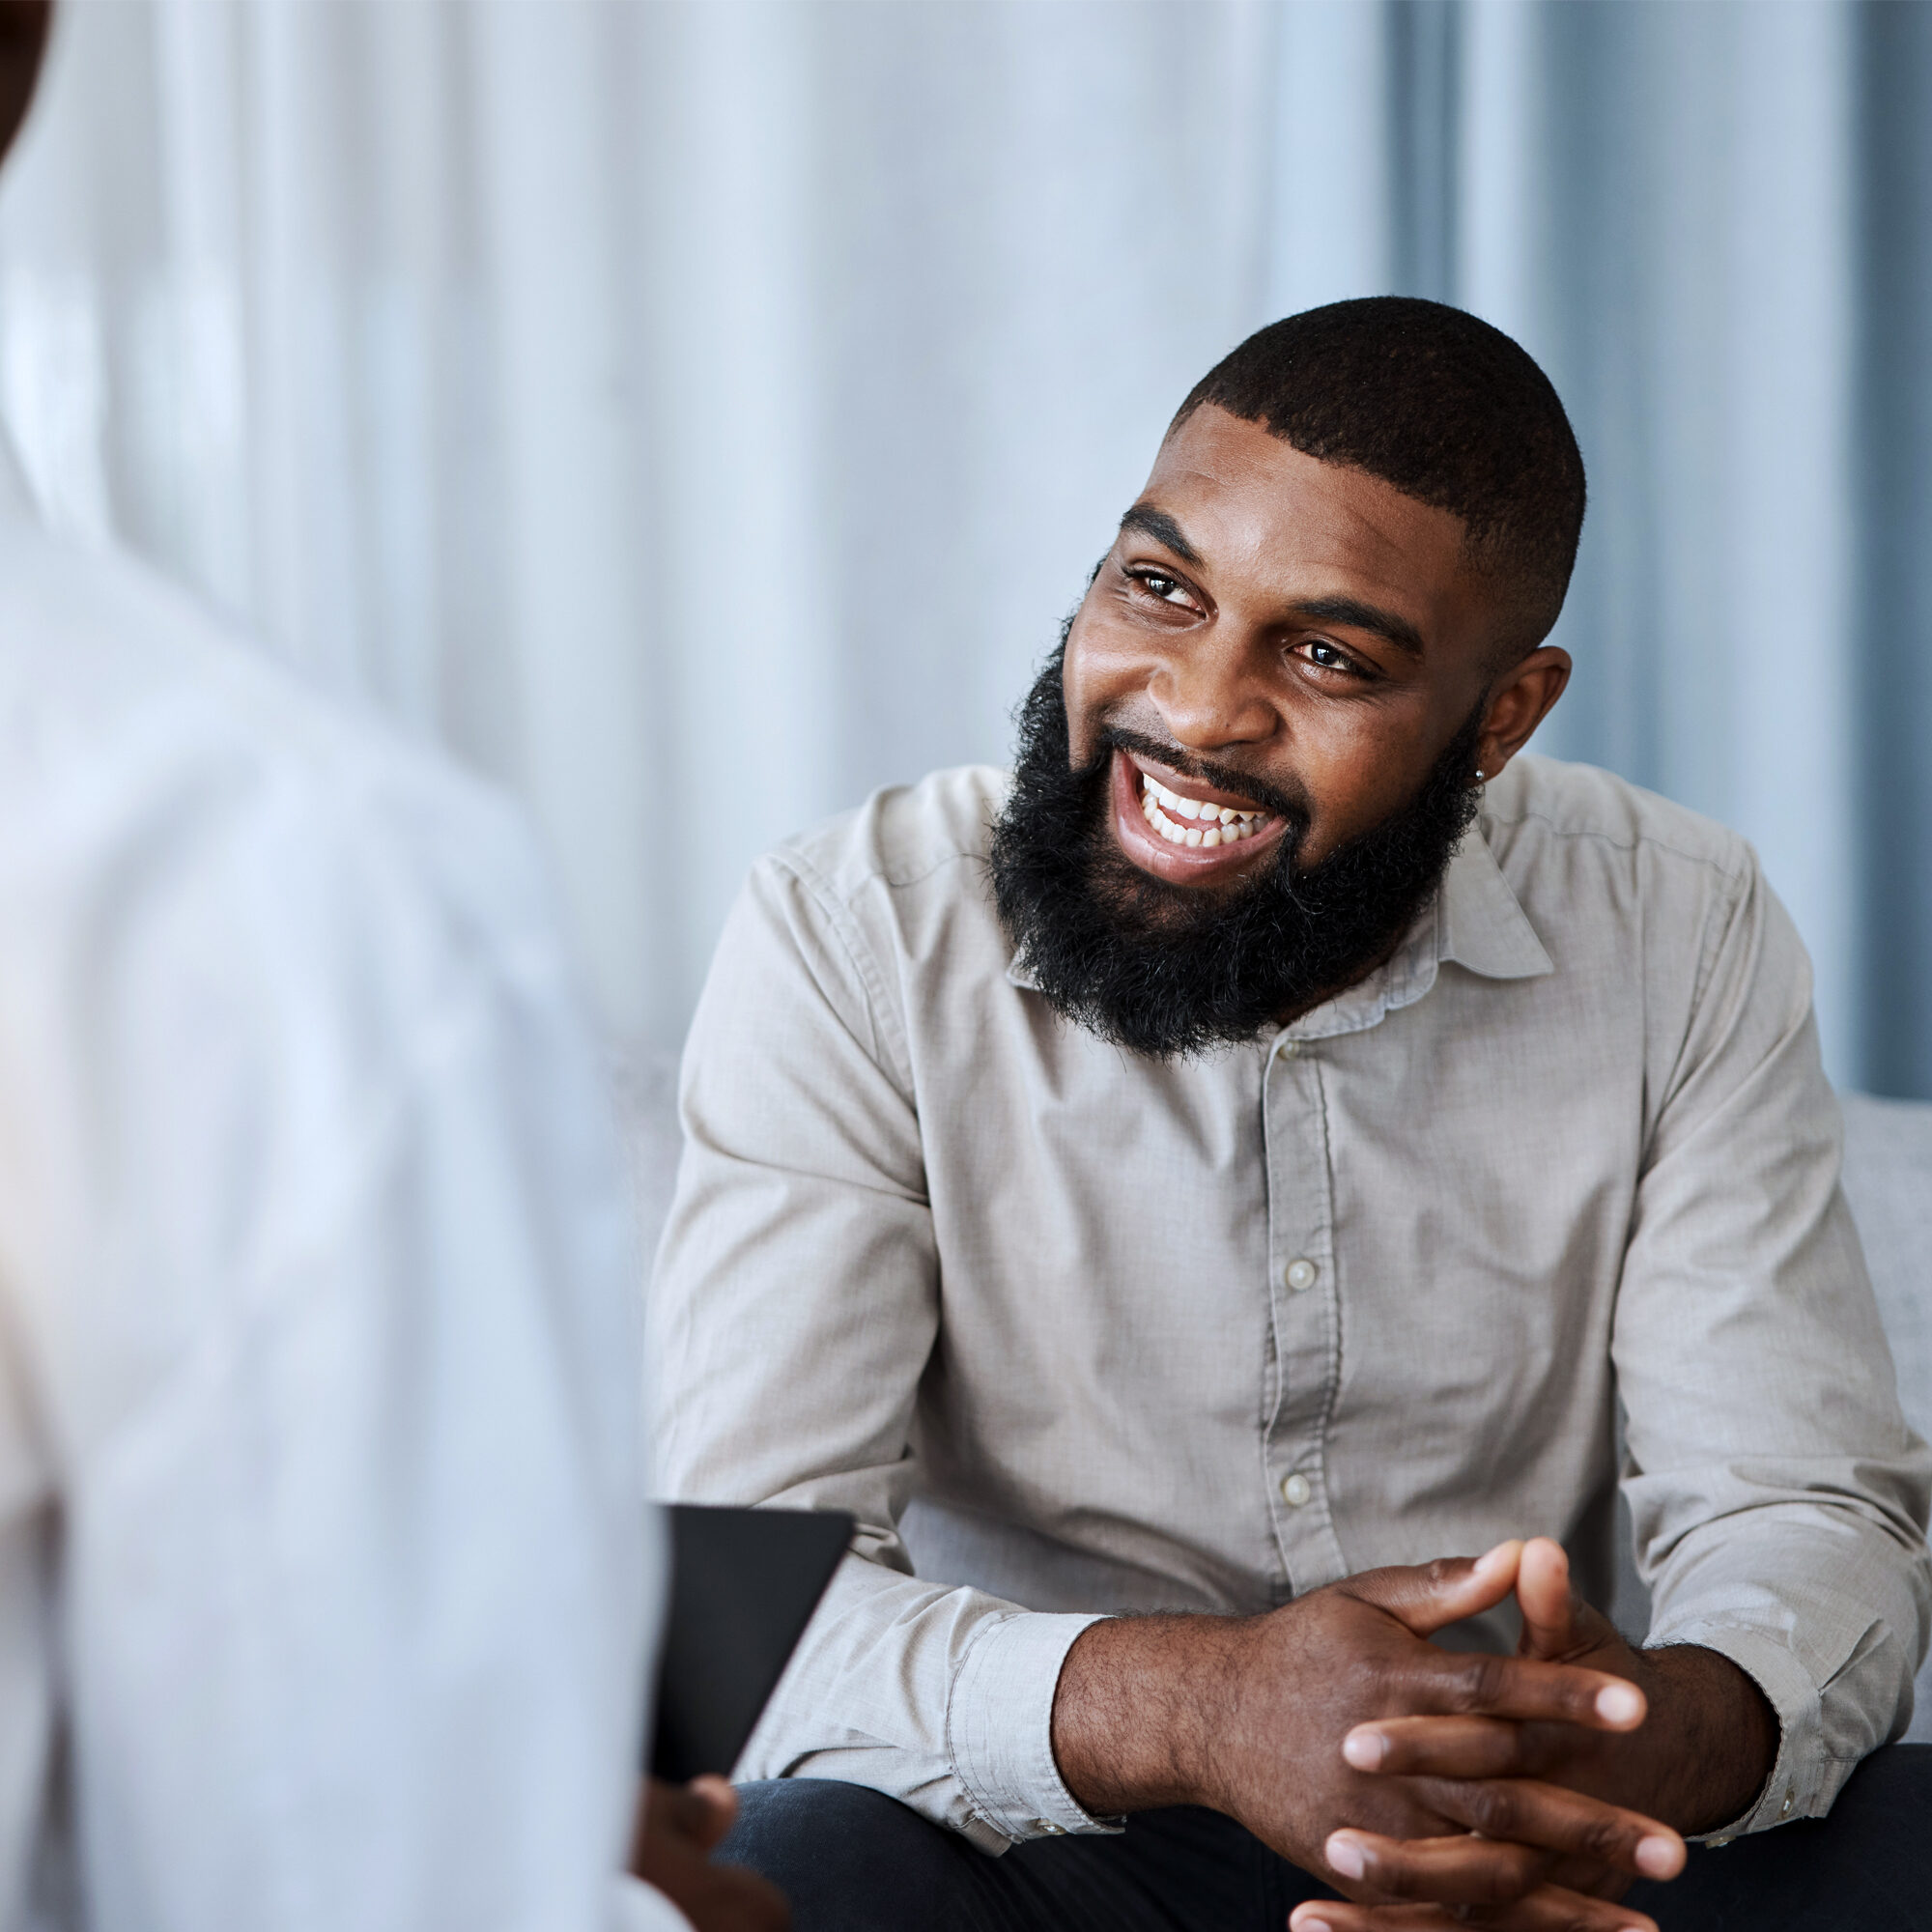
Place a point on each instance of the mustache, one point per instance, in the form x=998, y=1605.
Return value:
x=1293, y=805
x=1159, y=970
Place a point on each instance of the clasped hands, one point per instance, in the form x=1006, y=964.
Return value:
x=1431, y=1789
x=1519, y=1849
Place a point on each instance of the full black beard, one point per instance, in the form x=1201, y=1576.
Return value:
x=1168, y=970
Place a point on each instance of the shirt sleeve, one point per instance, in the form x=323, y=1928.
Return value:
x=329, y=1265
x=793, y=1310
x=1778, y=1498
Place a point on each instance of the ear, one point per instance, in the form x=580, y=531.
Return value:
x=1518, y=704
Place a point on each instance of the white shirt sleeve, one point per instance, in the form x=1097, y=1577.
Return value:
x=323, y=1466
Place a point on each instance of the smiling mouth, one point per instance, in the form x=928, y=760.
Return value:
x=1197, y=822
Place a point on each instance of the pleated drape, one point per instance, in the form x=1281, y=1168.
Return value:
x=697, y=415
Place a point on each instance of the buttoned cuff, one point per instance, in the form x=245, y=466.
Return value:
x=1803, y=1781
x=999, y=1727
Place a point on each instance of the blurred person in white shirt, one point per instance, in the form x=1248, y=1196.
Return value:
x=327, y=1586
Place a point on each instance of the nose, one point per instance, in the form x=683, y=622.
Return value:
x=1208, y=697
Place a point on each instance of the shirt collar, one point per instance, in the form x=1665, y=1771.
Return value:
x=1474, y=919
x=1479, y=921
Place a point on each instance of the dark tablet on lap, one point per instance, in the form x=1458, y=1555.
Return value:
x=744, y=1584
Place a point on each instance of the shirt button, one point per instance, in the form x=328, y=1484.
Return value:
x=1301, y=1273
x=1051, y=1829
x=1288, y=1049
x=1295, y=1490
x=1790, y=1799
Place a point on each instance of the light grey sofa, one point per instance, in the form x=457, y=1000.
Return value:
x=1888, y=1176
x=1889, y=1182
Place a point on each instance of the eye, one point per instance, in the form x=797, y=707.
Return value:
x=1328, y=657
x=1158, y=584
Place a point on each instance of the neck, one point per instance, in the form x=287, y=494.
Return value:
x=1303, y=1007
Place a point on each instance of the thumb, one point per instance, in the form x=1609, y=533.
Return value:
x=1429, y=1597
x=714, y=1809
x=701, y=1812
x=1542, y=1594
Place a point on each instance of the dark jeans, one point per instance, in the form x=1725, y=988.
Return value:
x=851, y=1861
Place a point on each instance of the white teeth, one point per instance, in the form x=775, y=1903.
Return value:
x=1238, y=824
x=1163, y=824
x=1218, y=824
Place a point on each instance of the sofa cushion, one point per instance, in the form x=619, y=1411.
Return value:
x=1888, y=1182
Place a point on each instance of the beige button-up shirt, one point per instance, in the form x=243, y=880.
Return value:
x=1074, y=1332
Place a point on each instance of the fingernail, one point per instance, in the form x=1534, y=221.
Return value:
x=1659, y=1858
x=1619, y=1704
x=1365, y=1749
x=1345, y=1856
x=1313, y=1925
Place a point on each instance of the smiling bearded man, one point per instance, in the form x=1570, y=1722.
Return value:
x=1166, y=967
x=1185, y=1198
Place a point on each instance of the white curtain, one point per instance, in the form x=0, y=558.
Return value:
x=697, y=415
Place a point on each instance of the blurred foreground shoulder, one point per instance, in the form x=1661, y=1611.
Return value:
x=134, y=722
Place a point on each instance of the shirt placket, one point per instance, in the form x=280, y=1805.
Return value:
x=1305, y=1310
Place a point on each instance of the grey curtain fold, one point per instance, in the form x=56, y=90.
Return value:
x=1894, y=611
x=697, y=413
x=1712, y=225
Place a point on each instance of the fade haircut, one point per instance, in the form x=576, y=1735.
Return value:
x=1448, y=410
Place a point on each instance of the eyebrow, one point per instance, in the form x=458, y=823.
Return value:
x=1398, y=631
x=1162, y=529
x=1350, y=610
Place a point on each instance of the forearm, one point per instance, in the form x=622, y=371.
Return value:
x=1138, y=1700
x=1710, y=1743
x=1836, y=1656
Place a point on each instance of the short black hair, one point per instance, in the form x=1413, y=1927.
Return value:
x=1437, y=402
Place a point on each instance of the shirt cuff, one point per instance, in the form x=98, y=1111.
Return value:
x=637, y=1907
x=999, y=1727
x=1803, y=1781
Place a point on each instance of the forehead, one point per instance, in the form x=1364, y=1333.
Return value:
x=1260, y=510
